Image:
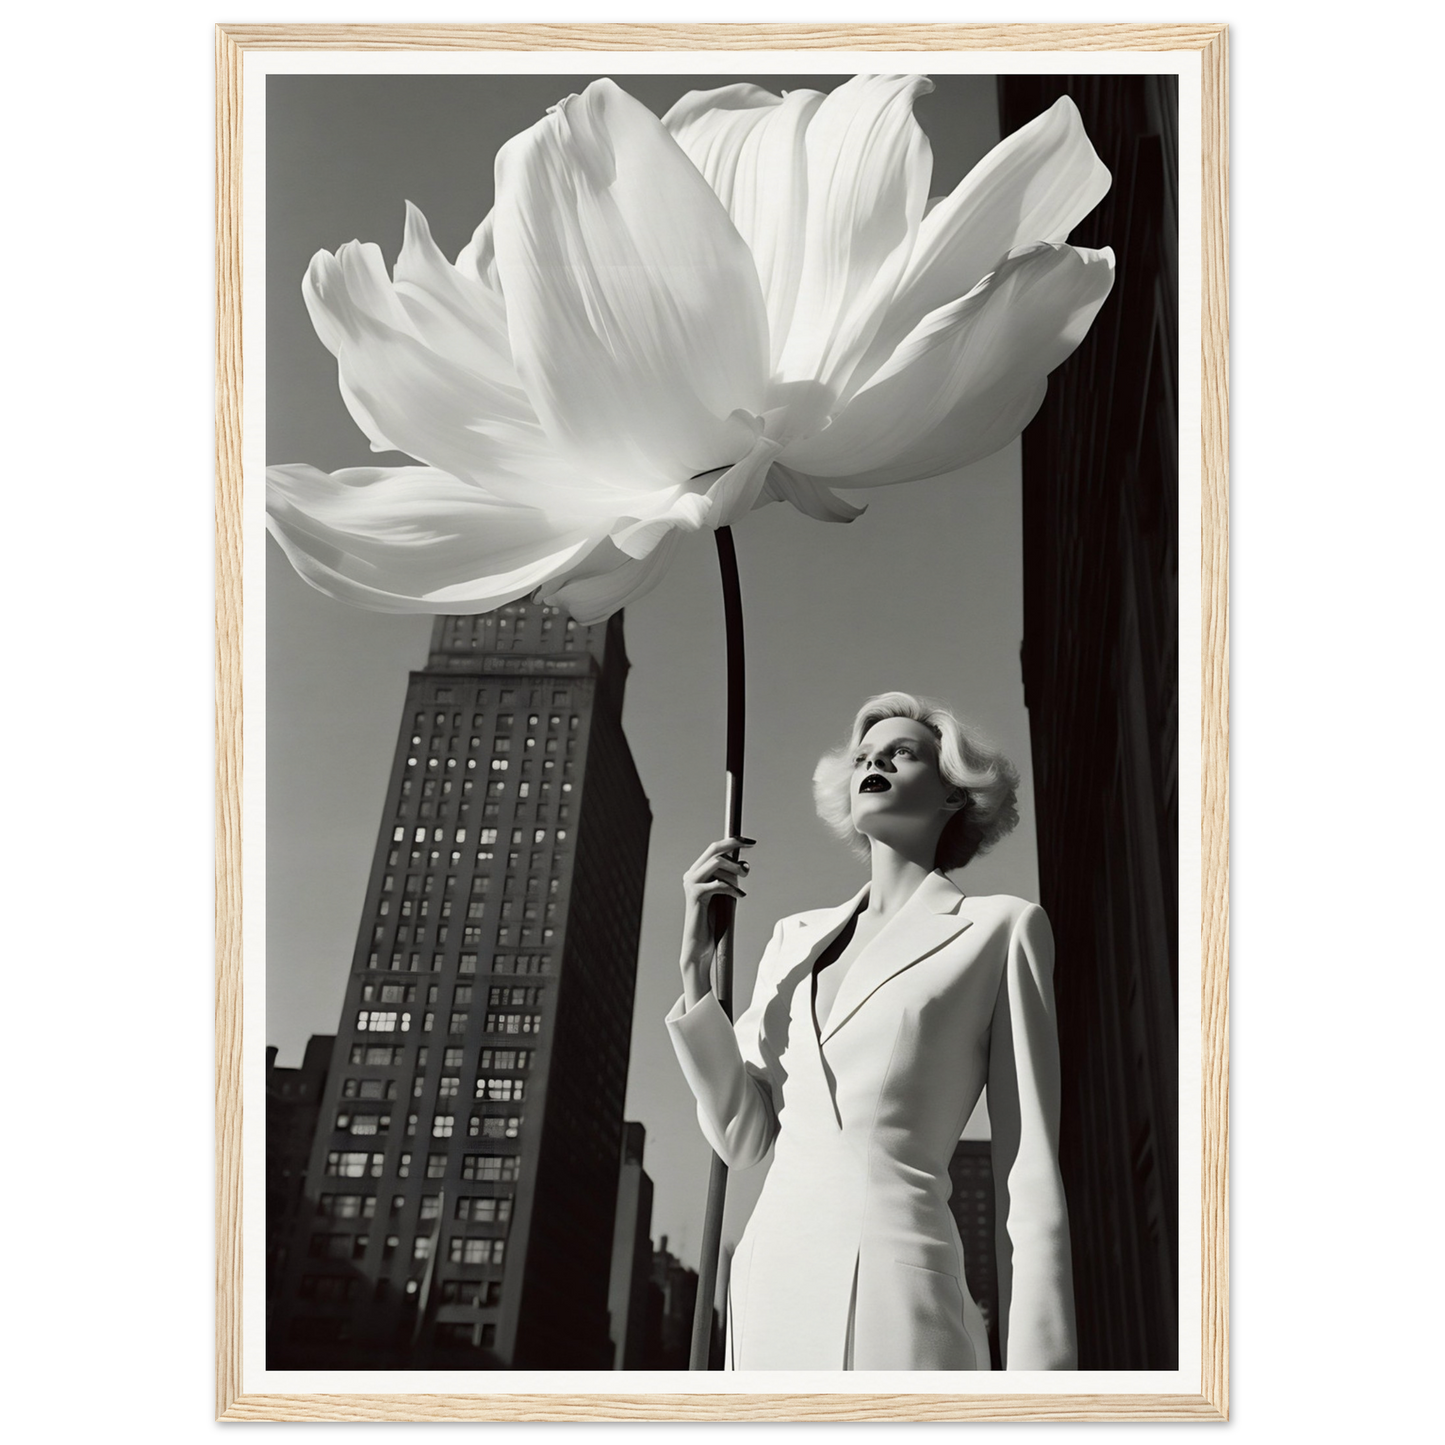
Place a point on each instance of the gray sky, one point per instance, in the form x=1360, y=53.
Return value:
x=921, y=593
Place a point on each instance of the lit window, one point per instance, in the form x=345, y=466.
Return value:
x=421, y=1247
x=376, y=1021
x=501, y=1090
x=403, y=1167
x=494, y=1126
x=441, y=1126
x=468, y=963
x=348, y=1165
x=457, y=1024
x=476, y=1251
x=449, y=1083
x=436, y=1166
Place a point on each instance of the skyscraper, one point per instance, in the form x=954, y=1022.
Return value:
x=1101, y=680
x=463, y=1180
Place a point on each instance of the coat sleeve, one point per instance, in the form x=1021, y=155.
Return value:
x=724, y=1066
x=1035, y=1273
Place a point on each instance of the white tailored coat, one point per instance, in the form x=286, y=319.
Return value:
x=851, y=1259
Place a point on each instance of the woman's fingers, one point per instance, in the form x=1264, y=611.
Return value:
x=714, y=851
x=720, y=885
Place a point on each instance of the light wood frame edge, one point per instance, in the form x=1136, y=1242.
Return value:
x=1213, y=1401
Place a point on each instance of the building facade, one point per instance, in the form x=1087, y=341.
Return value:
x=1100, y=667
x=462, y=1184
x=972, y=1202
x=631, y=1254
x=293, y=1105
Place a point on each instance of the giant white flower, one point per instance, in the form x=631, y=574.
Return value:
x=663, y=324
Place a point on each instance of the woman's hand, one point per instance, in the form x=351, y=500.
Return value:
x=714, y=875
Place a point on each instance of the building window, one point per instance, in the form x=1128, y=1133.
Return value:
x=516, y=995
x=506, y=1059
x=457, y=1024
x=350, y=1165
x=375, y=1054
x=421, y=1247
x=503, y=1089
x=477, y=1293
x=369, y=1089
x=449, y=1084
x=403, y=1167
x=436, y=1166
x=431, y=1207
x=476, y=1251
x=441, y=1126
x=347, y=1206
x=494, y=1126
x=337, y=1246
x=381, y=1021
x=513, y=1023
x=491, y=1168
x=484, y=1211
x=363, y=1123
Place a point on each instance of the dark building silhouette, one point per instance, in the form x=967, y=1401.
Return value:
x=674, y=1296
x=631, y=1254
x=1100, y=666
x=972, y=1203
x=462, y=1185
x=293, y=1104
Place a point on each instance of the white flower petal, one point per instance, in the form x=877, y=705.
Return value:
x=811, y=497
x=970, y=376
x=1035, y=185
x=414, y=539
x=451, y=311
x=408, y=398
x=868, y=171
x=608, y=579
x=750, y=144
x=634, y=309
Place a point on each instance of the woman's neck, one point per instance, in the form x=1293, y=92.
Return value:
x=895, y=879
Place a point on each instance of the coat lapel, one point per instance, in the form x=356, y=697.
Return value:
x=923, y=925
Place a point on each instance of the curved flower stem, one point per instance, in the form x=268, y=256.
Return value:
x=722, y=927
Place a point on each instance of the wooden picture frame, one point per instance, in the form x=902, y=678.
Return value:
x=1210, y=1401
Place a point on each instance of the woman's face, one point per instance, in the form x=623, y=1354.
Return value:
x=896, y=788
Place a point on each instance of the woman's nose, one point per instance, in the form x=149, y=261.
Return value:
x=881, y=761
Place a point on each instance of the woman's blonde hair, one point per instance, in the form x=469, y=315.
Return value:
x=965, y=760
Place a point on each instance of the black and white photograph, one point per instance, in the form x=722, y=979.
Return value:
x=722, y=715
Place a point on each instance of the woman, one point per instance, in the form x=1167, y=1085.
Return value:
x=873, y=1029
